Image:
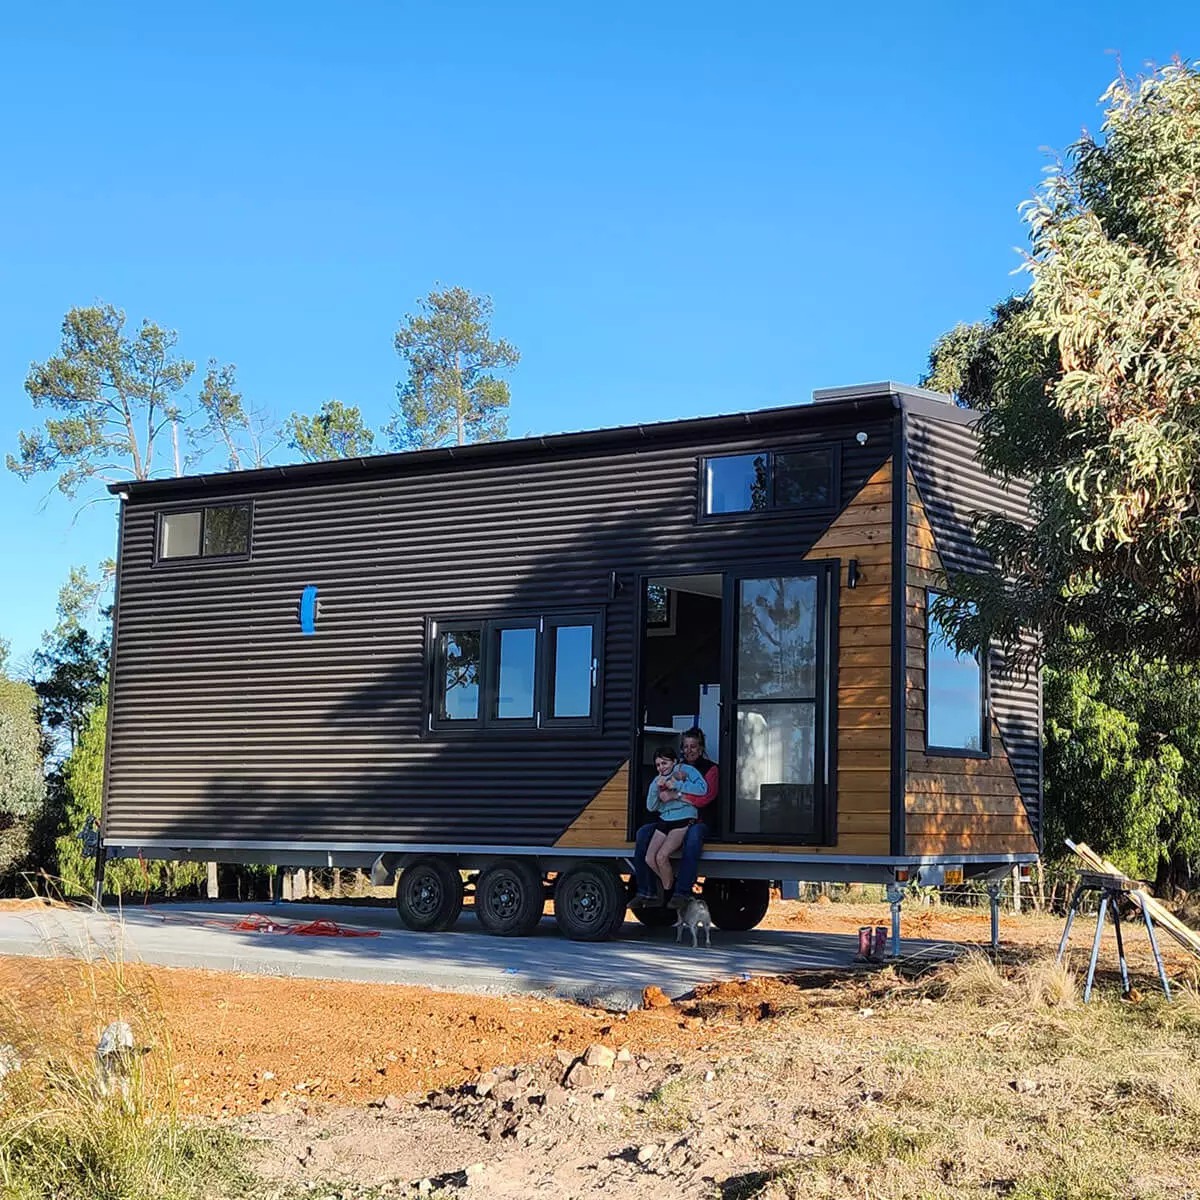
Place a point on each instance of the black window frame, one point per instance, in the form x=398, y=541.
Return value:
x=773, y=511
x=932, y=749
x=161, y=560
x=487, y=720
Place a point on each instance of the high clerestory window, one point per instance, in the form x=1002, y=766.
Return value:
x=537, y=672
x=780, y=481
x=216, y=531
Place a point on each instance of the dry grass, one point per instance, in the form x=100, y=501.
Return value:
x=1048, y=984
x=61, y=1137
x=982, y=1081
x=975, y=979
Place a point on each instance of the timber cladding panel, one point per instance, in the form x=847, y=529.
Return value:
x=861, y=531
x=952, y=804
x=229, y=726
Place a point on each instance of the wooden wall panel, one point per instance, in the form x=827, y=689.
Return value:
x=603, y=821
x=952, y=805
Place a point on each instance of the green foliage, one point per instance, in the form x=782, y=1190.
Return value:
x=451, y=394
x=83, y=784
x=72, y=664
x=1088, y=386
x=337, y=431
x=245, y=436
x=22, y=782
x=1122, y=759
x=114, y=394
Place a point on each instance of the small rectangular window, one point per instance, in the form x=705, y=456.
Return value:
x=226, y=530
x=771, y=481
x=222, y=531
x=737, y=483
x=180, y=535
x=574, y=671
x=954, y=693
x=803, y=479
x=516, y=675
x=459, y=669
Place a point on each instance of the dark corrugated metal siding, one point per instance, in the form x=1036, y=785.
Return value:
x=954, y=487
x=227, y=724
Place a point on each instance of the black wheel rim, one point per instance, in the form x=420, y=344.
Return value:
x=423, y=894
x=586, y=902
x=503, y=897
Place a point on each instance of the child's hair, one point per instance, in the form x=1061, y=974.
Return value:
x=666, y=752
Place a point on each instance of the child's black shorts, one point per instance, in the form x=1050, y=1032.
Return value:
x=671, y=826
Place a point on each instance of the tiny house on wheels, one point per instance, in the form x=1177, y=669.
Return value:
x=457, y=663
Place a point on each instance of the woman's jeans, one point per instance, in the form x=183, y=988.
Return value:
x=689, y=861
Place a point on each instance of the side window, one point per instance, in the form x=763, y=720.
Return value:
x=218, y=531
x=537, y=672
x=771, y=481
x=572, y=671
x=459, y=674
x=954, y=693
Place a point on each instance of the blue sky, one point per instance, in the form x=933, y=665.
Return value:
x=678, y=209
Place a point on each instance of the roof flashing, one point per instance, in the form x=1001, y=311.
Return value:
x=887, y=387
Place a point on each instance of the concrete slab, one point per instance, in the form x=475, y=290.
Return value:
x=464, y=959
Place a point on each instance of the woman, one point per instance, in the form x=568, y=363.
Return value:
x=695, y=755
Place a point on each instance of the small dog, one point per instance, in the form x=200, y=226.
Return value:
x=694, y=916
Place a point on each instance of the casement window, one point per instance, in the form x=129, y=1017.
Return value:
x=771, y=481
x=538, y=672
x=955, y=694
x=216, y=531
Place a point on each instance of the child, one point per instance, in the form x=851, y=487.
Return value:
x=666, y=797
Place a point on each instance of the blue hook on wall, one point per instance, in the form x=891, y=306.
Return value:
x=308, y=611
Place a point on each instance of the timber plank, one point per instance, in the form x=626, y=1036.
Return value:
x=863, y=697
x=866, y=635
x=865, y=656
x=977, y=844
x=919, y=802
x=863, y=739
x=942, y=785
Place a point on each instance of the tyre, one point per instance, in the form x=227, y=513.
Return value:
x=737, y=904
x=589, y=899
x=509, y=897
x=429, y=894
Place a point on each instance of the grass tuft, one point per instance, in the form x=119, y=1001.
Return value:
x=1049, y=984
x=975, y=979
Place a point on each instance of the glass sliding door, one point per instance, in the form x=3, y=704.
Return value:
x=778, y=656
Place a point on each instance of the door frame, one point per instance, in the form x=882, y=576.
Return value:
x=827, y=573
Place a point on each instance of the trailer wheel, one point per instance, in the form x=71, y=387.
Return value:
x=429, y=894
x=737, y=904
x=588, y=901
x=509, y=897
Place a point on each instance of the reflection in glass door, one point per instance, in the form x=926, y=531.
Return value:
x=778, y=664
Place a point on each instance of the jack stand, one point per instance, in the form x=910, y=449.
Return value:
x=98, y=881
x=994, y=902
x=895, y=894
